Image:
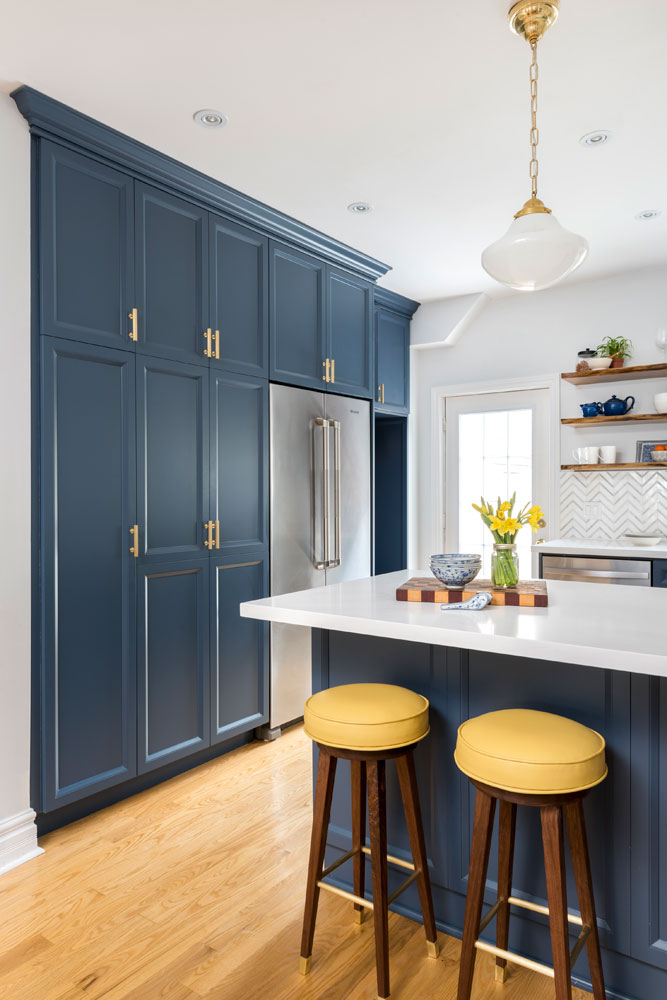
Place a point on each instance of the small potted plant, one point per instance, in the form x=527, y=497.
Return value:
x=616, y=348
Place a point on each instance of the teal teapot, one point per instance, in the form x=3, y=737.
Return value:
x=615, y=407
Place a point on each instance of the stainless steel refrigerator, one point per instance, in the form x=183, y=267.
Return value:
x=320, y=520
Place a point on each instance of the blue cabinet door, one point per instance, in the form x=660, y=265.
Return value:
x=172, y=459
x=660, y=572
x=239, y=297
x=172, y=276
x=296, y=317
x=239, y=461
x=239, y=646
x=86, y=245
x=349, y=333
x=172, y=662
x=88, y=473
x=392, y=353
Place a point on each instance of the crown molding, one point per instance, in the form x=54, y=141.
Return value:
x=392, y=300
x=54, y=120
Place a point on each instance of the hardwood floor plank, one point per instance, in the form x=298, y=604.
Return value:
x=194, y=890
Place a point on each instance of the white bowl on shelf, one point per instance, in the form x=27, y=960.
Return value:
x=598, y=362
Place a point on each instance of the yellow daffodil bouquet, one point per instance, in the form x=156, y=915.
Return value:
x=504, y=526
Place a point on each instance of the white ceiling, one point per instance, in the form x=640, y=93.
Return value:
x=418, y=106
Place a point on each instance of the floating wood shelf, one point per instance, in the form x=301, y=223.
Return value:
x=604, y=467
x=625, y=418
x=616, y=374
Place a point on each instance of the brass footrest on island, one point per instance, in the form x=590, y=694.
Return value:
x=511, y=956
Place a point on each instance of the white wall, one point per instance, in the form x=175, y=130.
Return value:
x=538, y=334
x=17, y=831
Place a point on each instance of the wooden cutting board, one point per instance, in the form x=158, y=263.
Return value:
x=428, y=590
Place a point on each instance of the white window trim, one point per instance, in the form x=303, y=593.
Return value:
x=439, y=396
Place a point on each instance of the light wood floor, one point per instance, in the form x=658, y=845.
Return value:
x=194, y=889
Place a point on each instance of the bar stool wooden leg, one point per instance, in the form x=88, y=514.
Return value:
x=506, y=835
x=407, y=777
x=576, y=829
x=554, y=863
x=377, y=816
x=480, y=847
x=358, y=770
x=326, y=771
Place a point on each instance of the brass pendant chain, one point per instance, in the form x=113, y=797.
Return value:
x=534, y=132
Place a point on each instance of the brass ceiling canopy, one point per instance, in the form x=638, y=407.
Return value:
x=531, y=19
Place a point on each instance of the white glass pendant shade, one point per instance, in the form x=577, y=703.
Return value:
x=534, y=253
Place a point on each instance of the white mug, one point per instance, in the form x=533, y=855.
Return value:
x=608, y=454
x=586, y=456
x=660, y=402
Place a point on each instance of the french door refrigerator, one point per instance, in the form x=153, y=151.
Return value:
x=320, y=520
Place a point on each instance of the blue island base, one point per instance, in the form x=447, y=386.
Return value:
x=626, y=816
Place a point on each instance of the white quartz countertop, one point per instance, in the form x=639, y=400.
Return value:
x=614, y=547
x=620, y=628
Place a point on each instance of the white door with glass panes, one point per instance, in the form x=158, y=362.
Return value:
x=496, y=443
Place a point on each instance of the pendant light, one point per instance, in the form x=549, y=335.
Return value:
x=536, y=251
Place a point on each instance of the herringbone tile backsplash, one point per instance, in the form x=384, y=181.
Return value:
x=607, y=504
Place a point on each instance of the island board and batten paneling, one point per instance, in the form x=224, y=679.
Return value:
x=595, y=654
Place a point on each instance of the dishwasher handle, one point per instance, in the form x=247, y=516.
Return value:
x=601, y=574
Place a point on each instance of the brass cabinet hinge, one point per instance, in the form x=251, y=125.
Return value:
x=133, y=315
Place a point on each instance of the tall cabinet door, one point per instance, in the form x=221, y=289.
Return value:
x=298, y=336
x=239, y=297
x=172, y=662
x=88, y=574
x=350, y=333
x=173, y=497
x=173, y=459
x=240, y=461
x=172, y=275
x=239, y=646
x=86, y=249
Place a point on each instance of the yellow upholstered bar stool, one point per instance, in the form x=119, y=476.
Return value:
x=367, y=724
x=520, y=757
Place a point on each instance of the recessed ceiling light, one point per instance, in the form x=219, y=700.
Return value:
x=597, y=138
x=210, y=119
x=649, y=213
x=359, y=207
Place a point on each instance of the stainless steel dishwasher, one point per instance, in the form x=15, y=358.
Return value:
x=595, y=569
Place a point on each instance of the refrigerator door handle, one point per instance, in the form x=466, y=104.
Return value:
x=337, y=526
x=321, y=424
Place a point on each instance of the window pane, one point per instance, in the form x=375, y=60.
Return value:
x=495, y=460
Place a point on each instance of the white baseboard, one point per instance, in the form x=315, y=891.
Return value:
x=18, y=840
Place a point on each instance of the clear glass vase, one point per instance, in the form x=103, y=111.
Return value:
x=504, y=565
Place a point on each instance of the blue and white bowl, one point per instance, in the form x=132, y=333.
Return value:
x=455, y=569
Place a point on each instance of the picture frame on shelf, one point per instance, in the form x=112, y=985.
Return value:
x=644, y=449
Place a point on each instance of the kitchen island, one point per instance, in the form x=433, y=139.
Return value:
x=597, y=655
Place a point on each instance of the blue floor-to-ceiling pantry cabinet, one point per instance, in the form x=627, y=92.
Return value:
x=163, y=302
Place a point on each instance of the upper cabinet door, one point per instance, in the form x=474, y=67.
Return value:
x=172, y=459
x=87, y=571
x=172, y=276
x=239, y=461
x=239, y=297
x=298, y=343
x=86, y=249
x=350, y=333
x=392, y=347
